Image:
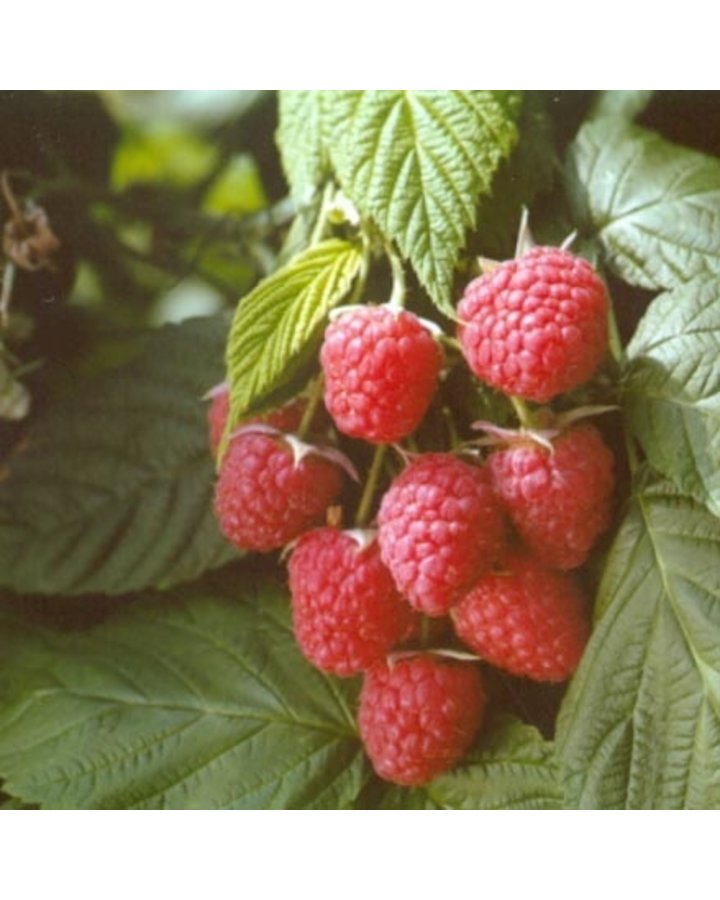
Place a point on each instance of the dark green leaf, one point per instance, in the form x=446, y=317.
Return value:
x=197, y=699
x=672, y=386
x=640, y=725
x=512, y=768
x=417, y=161
x=112, y=489
x=655, y=206
x=281, y=317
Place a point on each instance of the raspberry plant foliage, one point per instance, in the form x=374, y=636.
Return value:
x=197, y=695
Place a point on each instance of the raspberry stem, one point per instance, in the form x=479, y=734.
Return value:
x=522, y=411
x=314, y=399
x=399, y=286
x=363, y=511
x=318, y=231
x=614, y=339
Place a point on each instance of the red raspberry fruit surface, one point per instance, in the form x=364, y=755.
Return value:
x=419, y=716
x=536, y=326
x=347, y=613
x=263, y=499
x=217, y=415
x=526, y=619
x=381, y=368
x=440, y=527
x=560, y=501
x=286, y=418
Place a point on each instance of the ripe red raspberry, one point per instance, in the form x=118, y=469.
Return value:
x=536, y=326
x=347, y=613
x=419, y=716
x=440, y=527
x=559, y=501
x=526, y=619
x=285, y=418
x=264, y=498
x=381, y=368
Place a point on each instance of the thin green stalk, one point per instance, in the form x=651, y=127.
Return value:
x=366, y=501
x=318, y=231
x=399, y=284
x=316, y=395
x=362, y=275
x=522, y=411
x=614, y=340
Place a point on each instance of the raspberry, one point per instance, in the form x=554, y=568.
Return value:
x=440, y=527
x=217, y=414
x=347, y=613
x=381, y=368
x=285, y=418
x=527, y=619
x=264, y=498
x=419, y=716
x=536, y=326
x=560, y=501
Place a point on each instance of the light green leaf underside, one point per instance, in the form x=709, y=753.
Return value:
x=198, y=699
x=672, y=388
x=303, y=141
x=281, y=317
x=655, y=206
x=513, y=768
x=112, y=490
x=417, y=161
x=640, y=725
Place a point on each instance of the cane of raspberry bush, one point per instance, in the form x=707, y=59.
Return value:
x=536, y=326
x=347, y=613
x=440, y=527
x=526, y=619
x=559, y=500
x=418, y=716
x=381, y=368
x=265, y=497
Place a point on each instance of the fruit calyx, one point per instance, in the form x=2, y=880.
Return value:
x=554, y=424
x=300, y=449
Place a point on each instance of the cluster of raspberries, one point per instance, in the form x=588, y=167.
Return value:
x=487, y=544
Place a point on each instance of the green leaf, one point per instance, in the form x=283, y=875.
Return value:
x=655, y=206
x=513, y=768
x=417, y=161
x=303, y=139
x=640, y=725
x=196, y=699
x=672, y=388
x=277, y=320
x=112, y=489
x=624, y=104
x=11, y=803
